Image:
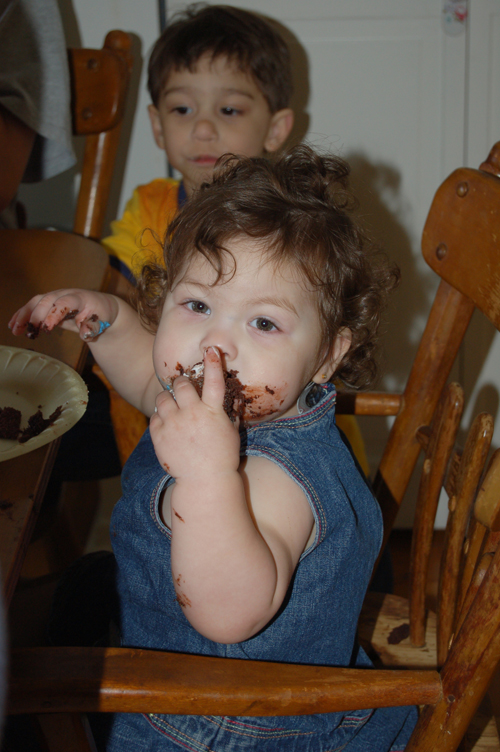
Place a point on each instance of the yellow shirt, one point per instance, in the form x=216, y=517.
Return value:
x=138, y=237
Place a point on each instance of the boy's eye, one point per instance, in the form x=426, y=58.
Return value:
x=182, y=110
x=264, y=325
x=197, y=306
x=230, y=111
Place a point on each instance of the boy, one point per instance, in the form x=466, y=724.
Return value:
x=220, y=81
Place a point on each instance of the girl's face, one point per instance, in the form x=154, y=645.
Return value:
x=264, y=322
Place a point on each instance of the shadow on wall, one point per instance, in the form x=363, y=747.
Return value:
x=382, y=210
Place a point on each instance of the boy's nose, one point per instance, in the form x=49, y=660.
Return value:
x=205, y=129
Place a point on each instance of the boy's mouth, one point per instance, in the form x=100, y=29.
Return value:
x=205, y=160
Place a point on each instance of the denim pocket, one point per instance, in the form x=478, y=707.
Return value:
x=270, y=734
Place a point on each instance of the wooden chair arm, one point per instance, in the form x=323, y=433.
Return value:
x=53, y=680
x=368, y=403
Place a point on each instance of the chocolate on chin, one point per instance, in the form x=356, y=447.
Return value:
x=234, y=396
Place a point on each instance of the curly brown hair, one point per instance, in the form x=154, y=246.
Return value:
x=248, y=40
x=299, y=206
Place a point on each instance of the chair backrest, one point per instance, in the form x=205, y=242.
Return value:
x=469, y=594
x=461, y=243
x=437, y=441
x=99, y=84
x=459, y=472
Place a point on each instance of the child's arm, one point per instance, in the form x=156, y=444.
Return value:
x=237, y=533
x=123, y=349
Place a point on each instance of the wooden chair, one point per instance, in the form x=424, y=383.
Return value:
x=69, y=681
x=461, y=243
x=100, y=82
x=401, y=633
x=464, y=215
x=99, y=86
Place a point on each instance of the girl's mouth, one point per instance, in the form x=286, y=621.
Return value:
x=249, y=404
x=234, y=397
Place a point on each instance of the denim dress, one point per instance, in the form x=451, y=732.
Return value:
x=316, y=623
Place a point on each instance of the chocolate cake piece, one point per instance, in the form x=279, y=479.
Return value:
x=37, y=423
x=235, y=390
x=10, y=423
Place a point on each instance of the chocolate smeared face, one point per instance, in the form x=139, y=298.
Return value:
x=263, y=321
x=248, y=403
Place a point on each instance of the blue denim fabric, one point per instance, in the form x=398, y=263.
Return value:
x=384, y=730
x=316, y=623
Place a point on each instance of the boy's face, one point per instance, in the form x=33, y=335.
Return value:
x=214, y=110
x=264, y=322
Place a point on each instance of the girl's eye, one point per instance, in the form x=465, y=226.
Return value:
x=264, y=325
x=197, y=306
x=230, y=111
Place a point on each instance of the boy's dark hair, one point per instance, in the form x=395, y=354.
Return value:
x=298, y=207
x=246, y=39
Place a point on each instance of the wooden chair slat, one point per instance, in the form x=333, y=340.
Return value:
x=469, y=474
x=441, y=441
x=487, y=499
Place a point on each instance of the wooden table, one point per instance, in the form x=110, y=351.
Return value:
x=32, y=262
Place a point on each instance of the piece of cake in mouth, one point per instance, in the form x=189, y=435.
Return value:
x=234, y=396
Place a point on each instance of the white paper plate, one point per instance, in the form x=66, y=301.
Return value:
x=29, y=382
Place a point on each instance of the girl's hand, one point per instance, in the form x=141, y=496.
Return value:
x=194, y=438
x=83, y=311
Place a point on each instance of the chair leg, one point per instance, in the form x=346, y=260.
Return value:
x=66, y=731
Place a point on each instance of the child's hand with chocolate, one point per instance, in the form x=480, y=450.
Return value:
x=191, y=432
x=85, y=312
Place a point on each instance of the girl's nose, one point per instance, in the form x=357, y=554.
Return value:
x=205, y=129
x=224, y=341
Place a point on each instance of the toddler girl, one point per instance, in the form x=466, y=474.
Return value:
x=245, y=528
